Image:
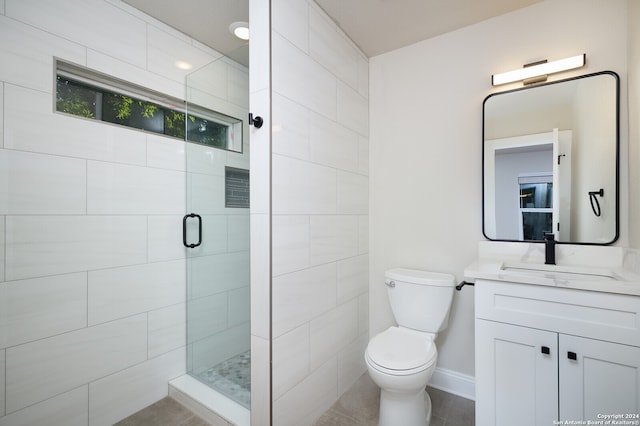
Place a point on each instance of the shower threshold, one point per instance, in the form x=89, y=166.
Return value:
x=207, y=403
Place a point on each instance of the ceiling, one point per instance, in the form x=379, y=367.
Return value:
x=376, y=26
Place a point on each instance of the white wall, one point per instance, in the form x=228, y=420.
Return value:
x=426, y=138
x=320, y=211
x=92, y=282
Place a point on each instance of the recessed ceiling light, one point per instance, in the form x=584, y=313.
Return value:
x=240, y=29
x=183, y=65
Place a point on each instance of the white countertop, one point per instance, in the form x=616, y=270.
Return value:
x=592, y=269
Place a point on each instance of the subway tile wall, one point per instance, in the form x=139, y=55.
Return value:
x=92, y=269
x=320, y=201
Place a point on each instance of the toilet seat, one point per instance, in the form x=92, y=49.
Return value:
x=398, y=351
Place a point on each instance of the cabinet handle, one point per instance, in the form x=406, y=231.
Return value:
x=545, y=350
x=572, y=355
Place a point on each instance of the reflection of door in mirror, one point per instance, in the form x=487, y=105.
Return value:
x=512, y=164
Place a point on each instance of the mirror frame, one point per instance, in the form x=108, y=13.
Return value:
x=617, y=145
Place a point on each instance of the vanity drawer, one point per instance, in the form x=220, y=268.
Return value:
x=605, y=316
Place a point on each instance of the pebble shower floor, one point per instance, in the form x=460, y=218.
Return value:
x=231, y=378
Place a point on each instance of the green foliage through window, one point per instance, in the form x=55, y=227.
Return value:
x=76, y=98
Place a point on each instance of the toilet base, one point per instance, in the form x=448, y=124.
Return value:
x=403, y=409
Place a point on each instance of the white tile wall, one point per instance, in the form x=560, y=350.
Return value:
x=363, y=234
x=165, y=153
x=90, y=216
x=239, y=306
x=65, y=135
x=290, y=130
x=47, y=367
x=238, y=84
x=352, y=109
x=41, y=184
x=67, y=409
x=320, y=211
x=332, y=238
x=125, y=71
x=291, y=243
x=165, y=238
x=300, y=296
x=116, y=33
x=164, y=50
x=299, y=187
x=42, y=307
x=120, y=292
x=332, y=331
x=351, y=363
x=64, y=244
x=332, y=144
x=1, y=115
x=167, y=329
x=2, y=245
x=122, y=394
x=221, y=81
x=290, y=18
x=363, y=314
x=363, y=155
x=238, y=233
x=309, y=399
x=260, y=379
x=292, y=71
x=290, y=359
x=2, y=374
x=206, y=316
x=353, y=193
x=331, y=47
x=260, y=278
x=353, y=277
x=123, y=189
x=230, y=270
x=206, y=193
x=27, y=53
x=219, y=347
x=202, y=159
x=215, y=234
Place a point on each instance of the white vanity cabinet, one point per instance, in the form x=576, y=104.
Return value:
x=552, y=353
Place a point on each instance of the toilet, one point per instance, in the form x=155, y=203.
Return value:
x=401, y=359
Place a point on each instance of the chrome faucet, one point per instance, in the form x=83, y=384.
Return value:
x=549, y=248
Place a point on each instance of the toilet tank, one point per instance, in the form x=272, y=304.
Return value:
x=420, y=300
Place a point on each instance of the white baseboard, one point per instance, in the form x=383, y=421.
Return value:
x=454, y=382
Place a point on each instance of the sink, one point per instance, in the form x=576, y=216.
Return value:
x=561, y=272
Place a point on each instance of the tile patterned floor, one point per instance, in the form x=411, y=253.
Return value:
x=357, y=407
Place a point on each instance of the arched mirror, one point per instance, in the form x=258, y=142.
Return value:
x=551, y=161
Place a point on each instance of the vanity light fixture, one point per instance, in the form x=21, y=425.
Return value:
x=240, y=29
x=538, y=71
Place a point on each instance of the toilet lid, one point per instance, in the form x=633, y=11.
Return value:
x=400, y=349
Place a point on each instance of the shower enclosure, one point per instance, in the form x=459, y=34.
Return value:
x=216, y=228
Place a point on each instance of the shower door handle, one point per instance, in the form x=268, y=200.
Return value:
x=184, y=230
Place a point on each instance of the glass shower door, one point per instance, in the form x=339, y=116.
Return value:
x=216, y=228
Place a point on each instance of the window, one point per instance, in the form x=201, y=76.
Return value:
x=88, y=94
x=536, y=206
